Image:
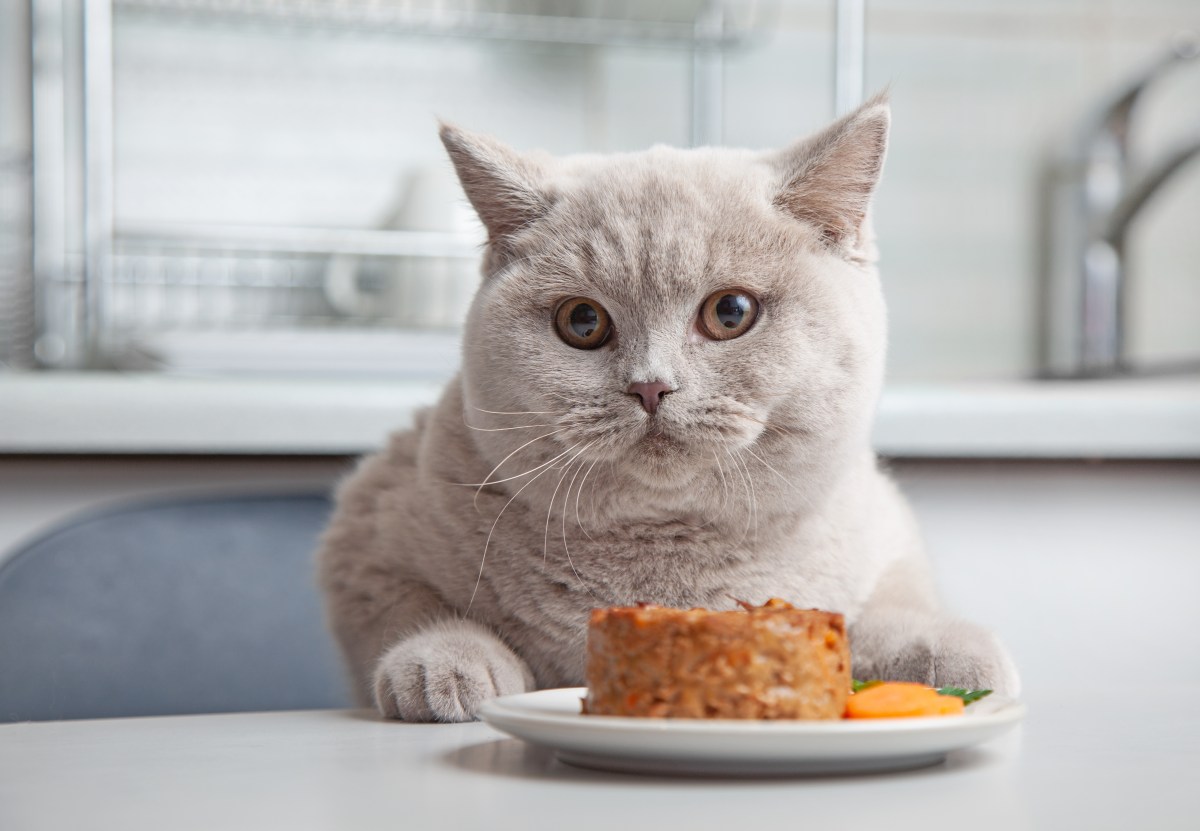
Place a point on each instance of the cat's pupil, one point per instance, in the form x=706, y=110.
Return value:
x=584, y=320
x=731, y=309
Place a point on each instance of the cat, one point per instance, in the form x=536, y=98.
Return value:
x=669, y=375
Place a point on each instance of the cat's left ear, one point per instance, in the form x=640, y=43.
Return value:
x=503, y=186
x=828, y=179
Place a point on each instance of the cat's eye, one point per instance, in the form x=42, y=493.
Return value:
x=728, y=313
x=582, y=323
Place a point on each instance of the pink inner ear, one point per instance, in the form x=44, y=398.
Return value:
x=501, y=185
x=833, y=176
x=837, y=216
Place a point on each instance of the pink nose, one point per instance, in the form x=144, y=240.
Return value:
x=651, y=392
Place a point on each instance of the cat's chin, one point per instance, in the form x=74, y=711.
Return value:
x=663, y=460
x=662, y=475
x=661, y=445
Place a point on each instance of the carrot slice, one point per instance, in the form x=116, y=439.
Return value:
x=901, y=699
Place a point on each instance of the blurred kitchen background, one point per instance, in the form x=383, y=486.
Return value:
x=258, y=186
x=233, y=255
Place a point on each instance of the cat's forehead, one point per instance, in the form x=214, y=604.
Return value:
x=664, y=221
x=662, y=182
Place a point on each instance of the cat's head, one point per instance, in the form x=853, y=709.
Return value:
x=664, y=310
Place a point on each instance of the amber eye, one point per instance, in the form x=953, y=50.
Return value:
x=582, y=323
x=727, y=314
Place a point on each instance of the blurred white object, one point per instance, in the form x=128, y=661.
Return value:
x=421, y=292
x=341, y=353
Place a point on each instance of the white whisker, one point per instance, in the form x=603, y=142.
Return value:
x=505, y=459
x=724, y=501
x=724, y=485
x=567, y=498
x=567, y=548
x=561, y=397
x=501, y=429
x=753, y=499
x=807, y=502
x=746, y=487
x=612, y=476
x=488, y=541
x=578, y=521
x=550, y=508
x=546, y=463
x=516, y=412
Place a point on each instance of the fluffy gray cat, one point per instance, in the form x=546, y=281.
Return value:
x=669, y=374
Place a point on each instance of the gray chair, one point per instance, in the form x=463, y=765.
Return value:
x=197, y=606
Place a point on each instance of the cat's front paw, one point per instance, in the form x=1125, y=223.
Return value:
x=937, y=652
x=968, y=656
x=444, y=673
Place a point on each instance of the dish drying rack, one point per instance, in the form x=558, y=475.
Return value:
x=211, y=297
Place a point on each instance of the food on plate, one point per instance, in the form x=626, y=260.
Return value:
x=903, y=699
x=760, y=662
x=967, y=696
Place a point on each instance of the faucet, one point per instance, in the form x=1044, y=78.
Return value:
x=1094, y=192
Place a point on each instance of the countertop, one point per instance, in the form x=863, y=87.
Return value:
x=158, y=413
x=1091, y=758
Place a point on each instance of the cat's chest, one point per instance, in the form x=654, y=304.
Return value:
x=676, y=565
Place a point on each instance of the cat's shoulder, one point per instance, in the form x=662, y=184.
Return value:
x=384, y=469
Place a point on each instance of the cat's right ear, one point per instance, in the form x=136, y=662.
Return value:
x=828, y=179
x=502, y=185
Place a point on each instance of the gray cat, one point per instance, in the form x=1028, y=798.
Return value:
x=668, y=379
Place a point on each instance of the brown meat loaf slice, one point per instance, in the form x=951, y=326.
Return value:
x=761, y=662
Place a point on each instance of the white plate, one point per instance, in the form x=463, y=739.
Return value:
x=551, y=718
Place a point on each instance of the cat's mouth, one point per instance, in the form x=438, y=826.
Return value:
x=692, y=434
x=660, y=442
x=663, y=441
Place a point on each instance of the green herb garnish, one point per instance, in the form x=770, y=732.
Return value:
x=859, y=686
x=968, y=696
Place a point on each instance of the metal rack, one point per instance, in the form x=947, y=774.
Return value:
x=103, y=288
x=590, y=22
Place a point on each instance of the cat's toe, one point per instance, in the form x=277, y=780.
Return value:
x=446, y=675
x=943, y=652
x=455, y=693
x=912, y=661
x=400, y=688
x=972, y=658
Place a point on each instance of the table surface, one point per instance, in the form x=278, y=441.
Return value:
x=1118, y=760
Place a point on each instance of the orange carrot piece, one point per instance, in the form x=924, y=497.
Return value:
x=901, y=699
x=951, y=705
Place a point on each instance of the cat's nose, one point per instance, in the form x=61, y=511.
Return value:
x=651, y=392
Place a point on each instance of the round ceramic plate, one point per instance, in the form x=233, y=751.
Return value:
x=552, y=718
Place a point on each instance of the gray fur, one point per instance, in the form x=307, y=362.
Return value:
x=755, y=478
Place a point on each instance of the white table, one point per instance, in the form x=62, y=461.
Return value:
x=1079, y=762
